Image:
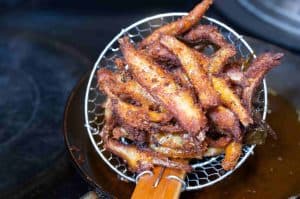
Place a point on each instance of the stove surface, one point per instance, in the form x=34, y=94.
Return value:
x=36, y=77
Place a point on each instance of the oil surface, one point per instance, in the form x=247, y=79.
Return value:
x=272, y=172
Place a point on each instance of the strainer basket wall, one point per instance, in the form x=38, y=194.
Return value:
x=206, y=171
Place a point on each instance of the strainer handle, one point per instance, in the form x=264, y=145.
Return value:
x=164, y=183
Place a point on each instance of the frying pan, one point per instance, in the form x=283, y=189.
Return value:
x=283, y=79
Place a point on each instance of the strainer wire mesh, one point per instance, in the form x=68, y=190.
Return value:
x=206, y=171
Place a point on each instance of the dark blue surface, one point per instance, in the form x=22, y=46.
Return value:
x=37, y=75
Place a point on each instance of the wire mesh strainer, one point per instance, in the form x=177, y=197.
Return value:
x=206, y=171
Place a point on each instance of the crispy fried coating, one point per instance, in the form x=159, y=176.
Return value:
x=168, y=140
x=255, y=73
x=213, y=65
x=192, y=66
x=120, y=132
x=162, y=55
x=171, y=147
x=168, y=128
x=202, y=59
x=213, y=151
x=238, y=90
x=181, y=78
x=221, y=142
x=112, y=86
x=177, y=145
x=169, y=101
x=111, y=82
x=136, y=117
x=236, y=75
x=176, y=153
x=176, y=141
x=130, y=115
x=210, y=33
x=180, y=26
x=162, y=87
x=232, y=154
x=231, y=100
x=105, y=132
x=108, y=115
x=183, y=81
x=203, y=33
x=109, y=121
x=131, y=134
x=139, y=159
x=168, y=60
x=120, y=63
x=220, y=58
x=226, y=121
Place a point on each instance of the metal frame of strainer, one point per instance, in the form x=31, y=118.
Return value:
x=206, y=171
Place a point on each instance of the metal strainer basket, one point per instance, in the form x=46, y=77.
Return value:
x=206, y=171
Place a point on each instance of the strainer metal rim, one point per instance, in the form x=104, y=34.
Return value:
x=92, y=131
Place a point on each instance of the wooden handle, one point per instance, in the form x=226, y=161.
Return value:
x=166, y=188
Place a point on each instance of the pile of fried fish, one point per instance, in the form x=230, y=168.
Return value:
x=170, y=100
